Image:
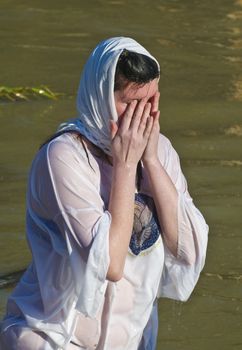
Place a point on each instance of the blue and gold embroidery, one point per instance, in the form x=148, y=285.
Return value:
x=146, y=229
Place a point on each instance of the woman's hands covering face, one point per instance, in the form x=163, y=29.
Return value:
x=136, y=134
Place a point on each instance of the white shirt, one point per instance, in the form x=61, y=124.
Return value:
x=64, y=292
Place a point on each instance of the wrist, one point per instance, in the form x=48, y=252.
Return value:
x=121, y=164
x=125, y=168
x=151, y=162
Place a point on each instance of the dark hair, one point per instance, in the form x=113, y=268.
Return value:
x=134, y=67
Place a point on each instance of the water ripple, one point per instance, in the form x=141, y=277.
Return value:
x=10, y=279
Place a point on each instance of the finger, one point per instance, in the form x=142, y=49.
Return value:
x=125, y=120
x=156, y=125
x=113, y=129
x=138, y=113
x=149, y=126
x=157, y=117
x=155, y=104
x=145, y=116
x=156, y=121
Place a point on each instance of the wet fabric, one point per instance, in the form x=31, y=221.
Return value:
x=65, y=287
x=146, y=228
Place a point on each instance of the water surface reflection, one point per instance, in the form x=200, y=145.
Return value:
x=199, y=47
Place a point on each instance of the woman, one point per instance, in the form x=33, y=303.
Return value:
x=110, y=222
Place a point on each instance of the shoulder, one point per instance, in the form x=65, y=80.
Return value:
x=171, y=162
x=166, y=152
x=164, y=141
x=65, y=151
x=65, y=145
x=68, y=147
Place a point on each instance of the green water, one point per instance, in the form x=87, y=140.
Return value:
x=199, y=47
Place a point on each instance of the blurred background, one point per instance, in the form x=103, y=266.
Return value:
x=199, y=47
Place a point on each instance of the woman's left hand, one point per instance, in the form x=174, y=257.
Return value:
x=162, y=189
x=150, y=152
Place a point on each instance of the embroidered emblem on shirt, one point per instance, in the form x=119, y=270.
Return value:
x=146, y=229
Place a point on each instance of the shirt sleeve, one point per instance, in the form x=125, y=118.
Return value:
x=67, y=193
x=181, y=273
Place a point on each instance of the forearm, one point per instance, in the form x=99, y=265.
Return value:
x=121, y=207
x=166, y=198
x=129, y=140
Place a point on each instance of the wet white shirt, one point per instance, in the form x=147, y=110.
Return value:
x=64, y=293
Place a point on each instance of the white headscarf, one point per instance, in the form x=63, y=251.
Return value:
x=95, y=99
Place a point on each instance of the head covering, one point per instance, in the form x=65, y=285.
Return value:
x=95, y=99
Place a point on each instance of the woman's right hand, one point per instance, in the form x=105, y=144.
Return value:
x=130, y=136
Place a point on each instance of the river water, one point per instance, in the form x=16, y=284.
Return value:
x=199, y=47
